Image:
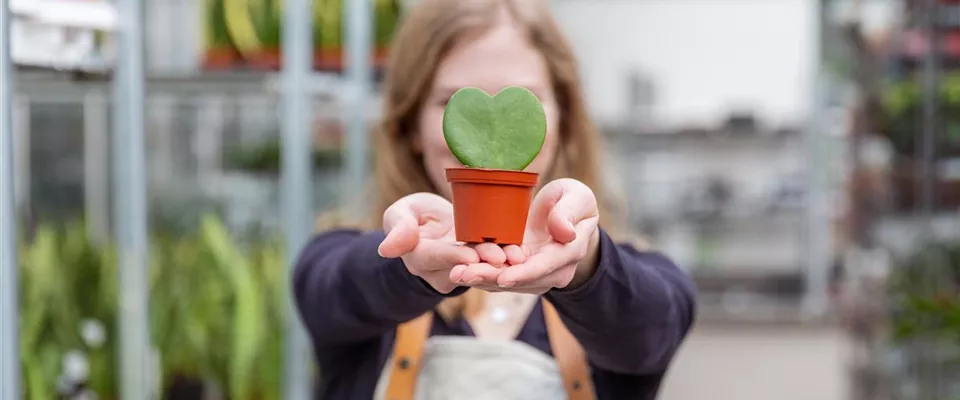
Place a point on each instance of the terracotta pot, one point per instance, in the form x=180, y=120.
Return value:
x=268, y=58
x=220, y=59
x=329, y=59
x=491, y=205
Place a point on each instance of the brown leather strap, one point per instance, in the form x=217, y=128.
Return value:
x=407, y=354
x=571, y=359
x=412, y=337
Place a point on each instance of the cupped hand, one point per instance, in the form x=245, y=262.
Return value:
x=559, y=249
x=420, y=231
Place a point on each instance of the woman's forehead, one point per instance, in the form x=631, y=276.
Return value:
x=500, y=57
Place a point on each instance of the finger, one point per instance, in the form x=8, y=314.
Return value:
x=402, y=237
x=497, y=289
x=456, y=273
x=441, y=256
x=440, y=281
x=420, y=207
x=489, y=288
x=407, y=215
x=576, y=203
x=477, y=274
x=541, y=265
x=491, y=253
x=515, y=254
x=560, y=226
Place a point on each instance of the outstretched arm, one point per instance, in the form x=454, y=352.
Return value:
x=631, y=312
x=346, y=292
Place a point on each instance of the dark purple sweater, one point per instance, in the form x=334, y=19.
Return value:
x=630, y=316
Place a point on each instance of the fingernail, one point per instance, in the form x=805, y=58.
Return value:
x=458, y=272
x=508, y=284
x=475, y=281
x=379, y=252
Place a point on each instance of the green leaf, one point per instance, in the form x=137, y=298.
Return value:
x=505, y=131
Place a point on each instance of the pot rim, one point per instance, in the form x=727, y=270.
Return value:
x=492, y=176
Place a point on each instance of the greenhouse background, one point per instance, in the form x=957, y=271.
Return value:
x=798, y=158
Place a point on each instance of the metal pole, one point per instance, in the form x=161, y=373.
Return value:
x=96, y=166
x=927, y=172
x=131, y=205
x=817, y=230
x=359, y=37
x=9, y=320
x=296, y=176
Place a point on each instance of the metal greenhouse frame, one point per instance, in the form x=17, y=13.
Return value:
x=129, y=182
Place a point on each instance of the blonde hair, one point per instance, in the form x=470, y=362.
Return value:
x=426, y=34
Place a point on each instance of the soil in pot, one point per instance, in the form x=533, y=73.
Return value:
x=491, y=205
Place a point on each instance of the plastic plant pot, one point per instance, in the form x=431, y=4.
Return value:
x=495, y=138
x=491, y=205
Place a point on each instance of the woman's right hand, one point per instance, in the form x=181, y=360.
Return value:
x=420, y=231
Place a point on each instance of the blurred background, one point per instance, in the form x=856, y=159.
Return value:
x=799, y=158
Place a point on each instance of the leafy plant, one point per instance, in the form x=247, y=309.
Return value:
x=216, y=310
x=926, y=293
x=330, y=14
x=265, y=157
x=387, y=15
x=215, y=32
x=505, y=131
x=66, y=282
x=903, y=105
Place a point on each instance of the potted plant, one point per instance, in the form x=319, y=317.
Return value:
x=330, y=46
x=495, y=138
x=387, y=15
x=269, y=25
x=220, y=53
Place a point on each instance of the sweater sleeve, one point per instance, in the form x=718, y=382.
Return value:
x=632, y=314
x=346, y=293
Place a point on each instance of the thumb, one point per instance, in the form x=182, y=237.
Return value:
x=403, y=232
x=576, y=203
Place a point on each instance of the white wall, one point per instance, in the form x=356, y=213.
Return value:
x=707, y=57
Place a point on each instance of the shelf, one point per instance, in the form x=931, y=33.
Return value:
x=70, y=84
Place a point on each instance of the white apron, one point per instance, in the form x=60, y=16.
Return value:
x=468, y=368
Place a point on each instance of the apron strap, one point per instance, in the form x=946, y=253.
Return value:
x=412, y=337
x=407, y=353
x=571, y=359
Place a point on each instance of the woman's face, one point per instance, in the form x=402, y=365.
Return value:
x=498, y=58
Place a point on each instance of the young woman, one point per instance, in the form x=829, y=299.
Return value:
x=408, y=313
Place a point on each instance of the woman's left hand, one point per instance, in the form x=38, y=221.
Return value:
x=559, y=250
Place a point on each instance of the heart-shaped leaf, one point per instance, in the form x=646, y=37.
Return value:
x=505, y=131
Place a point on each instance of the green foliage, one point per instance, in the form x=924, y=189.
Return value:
x=926, y=293
x=330, y=21
x=903, y=105
x=505, y=131
x=216, y=32
x=266, y=157
x=64, y=280
x=387, y=17
x=216, y=310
